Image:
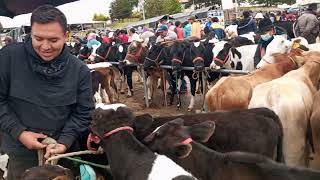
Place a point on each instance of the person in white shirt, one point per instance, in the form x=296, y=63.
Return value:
x=133, y=36
x=165, y=35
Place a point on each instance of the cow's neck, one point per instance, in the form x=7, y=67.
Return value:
x=200, y=160
x=123, y=147
x=312, y=71
x=286, y=66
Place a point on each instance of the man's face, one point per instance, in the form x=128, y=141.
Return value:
x=164, y=33
x=48, y=39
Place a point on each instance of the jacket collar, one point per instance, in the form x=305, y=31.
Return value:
x=51, y=69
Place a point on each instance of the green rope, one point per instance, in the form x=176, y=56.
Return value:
x=89, y=163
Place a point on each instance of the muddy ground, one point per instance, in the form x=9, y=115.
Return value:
x=157, y=108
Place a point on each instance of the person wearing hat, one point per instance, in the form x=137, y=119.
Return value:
x=307, y=26
x=195, y=27
x=267, y=32
x=247, y=24
x=258, y=17
x=165, y=35
x=92, y=41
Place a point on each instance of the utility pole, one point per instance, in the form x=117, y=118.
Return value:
x=141, y=2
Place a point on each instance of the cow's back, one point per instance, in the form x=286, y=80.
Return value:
x=249, y=130
x=291, y=99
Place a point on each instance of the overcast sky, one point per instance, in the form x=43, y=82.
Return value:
x=86, y=7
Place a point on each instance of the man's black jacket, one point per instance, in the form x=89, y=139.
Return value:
x=49, y=97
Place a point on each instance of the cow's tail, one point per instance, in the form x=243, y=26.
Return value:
x=113, y=83
x=310, y=136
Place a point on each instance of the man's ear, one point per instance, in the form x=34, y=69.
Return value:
x=182, y=150
x=203, y=131
x=236, y=52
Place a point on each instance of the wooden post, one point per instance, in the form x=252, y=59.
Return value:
x=145, y=86
x=164, y=87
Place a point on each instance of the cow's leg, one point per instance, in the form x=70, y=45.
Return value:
x=128, y=72
x=140, y=71
x=97, y=96
x=178, y=94
x=149, y=85
x=104, y=96
x=108, y=89
x=193, y=84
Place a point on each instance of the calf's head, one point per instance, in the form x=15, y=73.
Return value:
x=197, y=51
x=173, y=138
x=154, y=56
x=48, y=172
x=222, y=57
x=106, y=120
x=136, y=53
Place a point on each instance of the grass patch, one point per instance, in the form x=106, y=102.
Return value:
x=122, y=23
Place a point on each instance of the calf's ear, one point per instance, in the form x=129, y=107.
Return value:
x=142, y=122
x=236, y=52
x=203, y=131
x=182, y=150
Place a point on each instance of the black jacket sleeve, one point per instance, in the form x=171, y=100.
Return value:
x=81, y=111
x=257, y=56
x=8, y=120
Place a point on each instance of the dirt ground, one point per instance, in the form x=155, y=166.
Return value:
x=157, y=108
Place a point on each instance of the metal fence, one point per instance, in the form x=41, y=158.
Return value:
x=145, y=88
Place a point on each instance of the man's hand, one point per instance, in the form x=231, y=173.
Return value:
x=30, y=140
x=53, y=149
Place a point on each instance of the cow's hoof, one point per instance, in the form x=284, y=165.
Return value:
x=190, y=109
x=198, y=92
x=122, y=92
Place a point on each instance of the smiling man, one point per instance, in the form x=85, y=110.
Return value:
x=45, y=92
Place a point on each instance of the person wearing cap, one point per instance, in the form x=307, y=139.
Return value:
x=247, y=24
x=165, y=35
x=267, y=32
x=92, y=41
x=307, y=26
x=195, y=27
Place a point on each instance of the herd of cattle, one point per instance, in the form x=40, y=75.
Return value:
x=261, y=126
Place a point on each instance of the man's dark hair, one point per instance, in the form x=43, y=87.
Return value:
x=215, y=19
x=47, y=14
x=132, y=30
x=177, y=23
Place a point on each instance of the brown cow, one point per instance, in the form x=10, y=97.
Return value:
x=103, y=78
x=235, y=92
x=179, y=143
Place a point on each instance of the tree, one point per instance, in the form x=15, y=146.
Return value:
x=272, y=2
x=203, y=3
x=160, y=7
x=120, y=9
x=100, y=17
